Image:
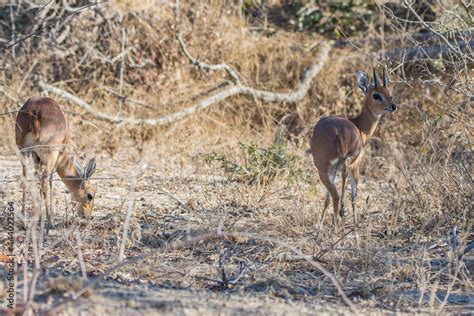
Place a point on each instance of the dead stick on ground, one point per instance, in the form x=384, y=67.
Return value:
x=210, y=236
x=77, y=235
x=267, y=96
x=131, y=204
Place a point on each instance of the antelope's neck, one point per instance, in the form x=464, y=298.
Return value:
x=68, y=172
x=367, y=122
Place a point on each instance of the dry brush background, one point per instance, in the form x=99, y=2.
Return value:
x=238, y=174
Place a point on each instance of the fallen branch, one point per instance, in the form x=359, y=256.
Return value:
x=267, y=96
x=218, y=67
x=238, y=88
x=164, y=120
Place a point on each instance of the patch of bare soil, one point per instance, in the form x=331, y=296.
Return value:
x=231, y=276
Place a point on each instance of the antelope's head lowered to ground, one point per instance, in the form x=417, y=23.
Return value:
x=86, y=193
x=42, y=135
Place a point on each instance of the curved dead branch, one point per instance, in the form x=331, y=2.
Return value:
x=266, y=96
x=219, y=67
x=164, y=120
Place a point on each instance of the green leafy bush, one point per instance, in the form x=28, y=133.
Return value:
x=262, y=165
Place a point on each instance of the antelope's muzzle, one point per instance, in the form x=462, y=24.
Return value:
x=392, y=108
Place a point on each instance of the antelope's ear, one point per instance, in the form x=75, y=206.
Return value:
x=77, y=165
x=90, y=169
x=384, y=77
x=362, y=81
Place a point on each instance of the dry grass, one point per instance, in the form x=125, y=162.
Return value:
x=416, y=181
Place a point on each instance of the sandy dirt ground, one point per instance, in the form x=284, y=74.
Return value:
x=170, y=206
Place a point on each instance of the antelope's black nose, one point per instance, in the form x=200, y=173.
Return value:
x=393, y=107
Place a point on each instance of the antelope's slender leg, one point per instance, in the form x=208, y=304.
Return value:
x=327, y=175
x=47, y=171
x=326, y=205
x=354, y=182
x=332, y=178
x=326, y=202
x=24, y=163
x=344, y=178
x=51, y=193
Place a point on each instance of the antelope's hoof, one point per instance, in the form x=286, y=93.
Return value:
x=342, y=211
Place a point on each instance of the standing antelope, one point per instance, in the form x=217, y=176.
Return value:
x=338, y=141
x=42, y=132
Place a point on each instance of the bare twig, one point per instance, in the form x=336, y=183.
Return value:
x=122, y=67
x=428, y=52
x=18, y=39
x=394, y=40
x=131, y=204
x=408, y=4
x=79, y=254
x=12, y=20
x=216, y=67
x=125, y=98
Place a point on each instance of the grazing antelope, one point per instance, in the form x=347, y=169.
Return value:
x=338, y=141
x=42, y=132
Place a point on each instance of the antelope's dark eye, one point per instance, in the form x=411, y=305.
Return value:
x=89, y=196
x=377, y=96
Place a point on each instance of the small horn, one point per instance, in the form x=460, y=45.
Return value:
x=376, y=82
x=384, y=77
